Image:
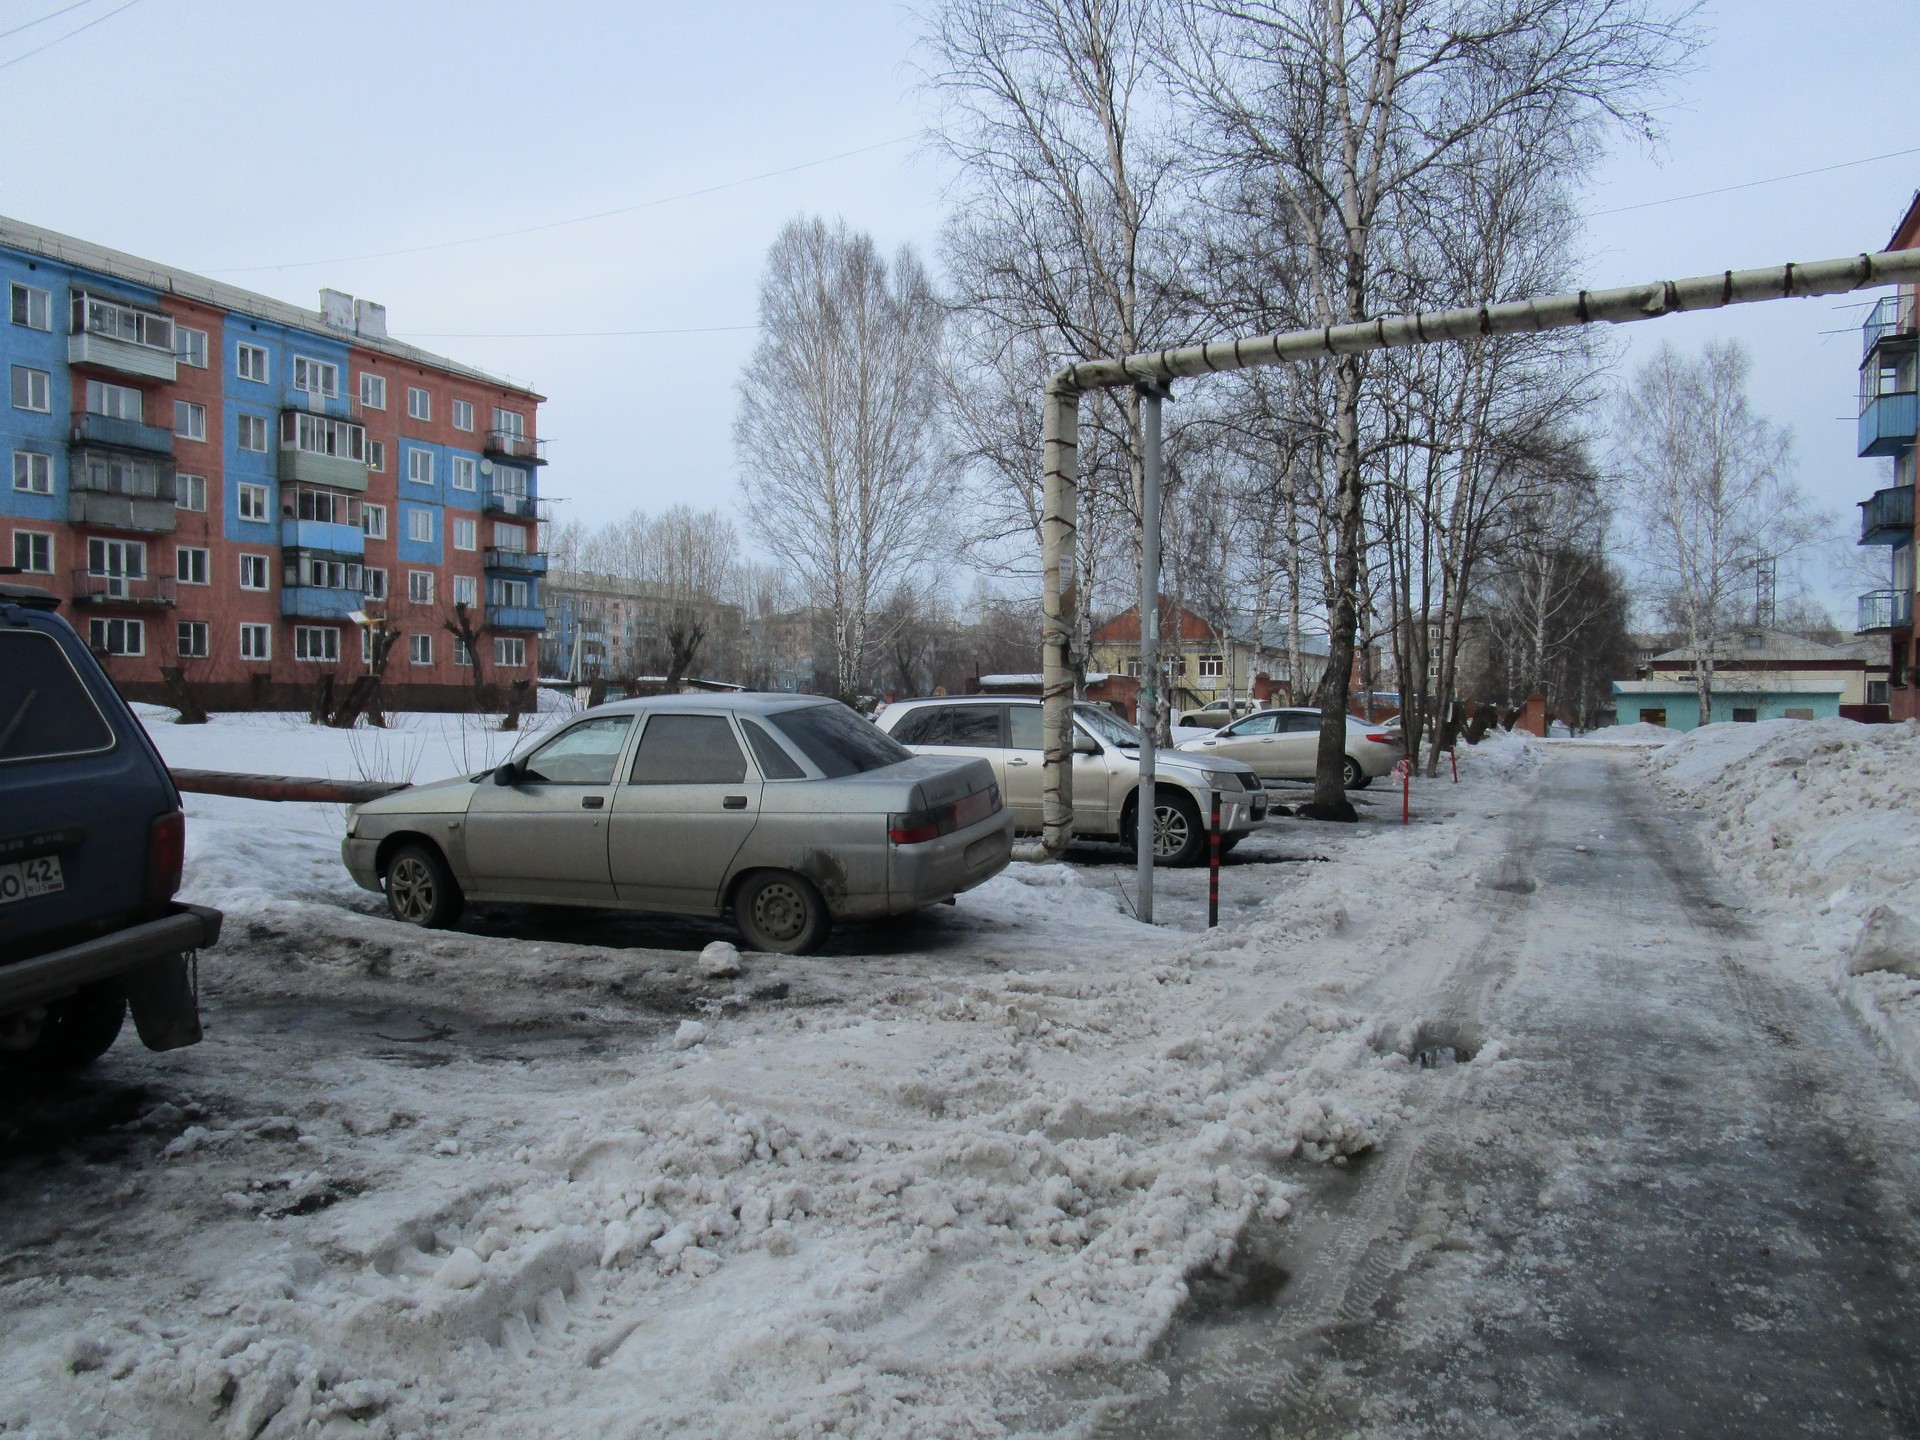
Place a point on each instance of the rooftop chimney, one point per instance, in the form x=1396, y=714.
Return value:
x=370, y=319
x=336, y=308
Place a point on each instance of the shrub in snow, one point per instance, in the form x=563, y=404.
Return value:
x=1888, y=941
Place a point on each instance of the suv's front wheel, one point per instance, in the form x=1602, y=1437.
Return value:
x=1178, y=836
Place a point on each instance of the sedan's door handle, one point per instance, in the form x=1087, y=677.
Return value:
x=592, y=802
x=735, y=802
x=1017, y=760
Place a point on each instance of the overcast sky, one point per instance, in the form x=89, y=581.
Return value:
x=248, y=141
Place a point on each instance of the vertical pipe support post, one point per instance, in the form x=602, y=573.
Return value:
x=1149, y=715
x=1059, y=611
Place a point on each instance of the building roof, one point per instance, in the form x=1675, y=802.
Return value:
x=1907, y=232
x=84, y=254
x=1734, y=684
x=1775, y=647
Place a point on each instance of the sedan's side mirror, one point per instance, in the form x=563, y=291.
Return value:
x=509, y=773
x=1086, y=745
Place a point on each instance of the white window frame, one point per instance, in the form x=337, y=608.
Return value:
x=35, y=382
x=419, y=518
x=247, y=426
x=420, y=587
x=190, y=346
x=326, y=637
x=420, y=649
x=258, y=564
x=190, y=492
x=462, y=656
x=466, y=591
x=510, y=651
x=262, y=635
x=27, y=567
x=115, y=402
x=24, y=478
x=373, y=520
x=463, y=415
x=192, y=640
x=251, y=497
x=133, y=635
x=376, y=455
x=373, y=391
x=373, y=580
x=195, y=415
x=313, y=376
x=17, y=292
x=466, y=473
x=419, y=403
x=418, y=460
x=466, y=534
x=509, y=422
x=193, y=564
x=247, y=358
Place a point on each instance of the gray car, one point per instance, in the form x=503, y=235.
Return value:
x=789, y=812
x=1005, y=731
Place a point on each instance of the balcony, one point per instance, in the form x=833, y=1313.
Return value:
x=511, y=445
x=319, y=535
x=1885, y=610
x=140, y=592
x=311, y=602
x=508, y=502
x=1887, y=518
x=517, y=562
x=312, y=402
x=108, y=489
x=94, y=351
x=1891, y=321
x=1888, y=423
x=303, y=467
x=90, y=429
x=516, y=617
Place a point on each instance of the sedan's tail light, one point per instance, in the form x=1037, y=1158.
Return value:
x=166, y=853
x=918, y=826
x=1384, y=739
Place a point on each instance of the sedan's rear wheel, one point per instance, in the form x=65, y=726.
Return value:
x=1354, y=774
x=779, y=912
x=421, y=889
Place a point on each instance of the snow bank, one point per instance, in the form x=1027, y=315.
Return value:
x=1502, y=754
x=1638, y=733
x=1821, y=819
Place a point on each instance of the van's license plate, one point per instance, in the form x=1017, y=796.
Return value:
x=25, y=879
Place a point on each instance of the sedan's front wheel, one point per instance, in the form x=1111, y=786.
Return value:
x=781, y=913
x=1178, y=836
x=421, y=889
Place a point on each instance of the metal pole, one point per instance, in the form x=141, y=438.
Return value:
x=1213, y=864
x=1150, y=397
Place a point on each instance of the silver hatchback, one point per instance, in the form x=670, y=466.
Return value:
x=789, y=812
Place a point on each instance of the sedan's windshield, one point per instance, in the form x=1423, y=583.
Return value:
x=837, y=740
x=1107, y=725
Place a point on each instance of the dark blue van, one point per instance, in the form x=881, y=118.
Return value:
x=91, y=843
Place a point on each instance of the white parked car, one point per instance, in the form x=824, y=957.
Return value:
x=1214, y=713
x=1005, y=731
x=1284, y=744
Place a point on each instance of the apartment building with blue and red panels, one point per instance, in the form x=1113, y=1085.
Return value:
x=219, y=481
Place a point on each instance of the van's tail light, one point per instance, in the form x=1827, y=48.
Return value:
x=916, y=827
x=166, y=853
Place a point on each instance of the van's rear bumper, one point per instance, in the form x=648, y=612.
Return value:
x=123, y=955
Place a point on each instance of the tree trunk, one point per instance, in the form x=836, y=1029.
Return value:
x=181, y=695
x=1329, y=776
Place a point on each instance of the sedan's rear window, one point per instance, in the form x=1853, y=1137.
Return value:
x=838, y=741
x=689, y=750
x=45, y=710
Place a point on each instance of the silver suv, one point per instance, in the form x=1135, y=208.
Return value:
x=1005, y=731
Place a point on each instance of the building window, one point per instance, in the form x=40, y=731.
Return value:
x=1212, y=665
x=192, y=640
x=509, y=422
x=511, y=593
x=463, y=415
x=420, y=524
x=466, y=590
x=420, y=587
x=465, y=535
x=256, y=642
x=373, y=391
x=377, y=455
x=511, y=538
x=190, y=565
x=118, y=637
x=1876, y=692
x=316, y=377
x=189, y=420
x=419, y=404
x=32, y=389
x=252, y=433
x=317, y=435
x=250, y=363
x=420, y=466
x=509, y=651
x=316, y=642
x=253, y=572
x=373, y=520
x=190, y=492
x=420, y=649
x=465, y=476
x=30, y=307
x=374, y=581
x=462, y=656
x=33, y=472
x=119, y=561
x=190, y=347
x=115, y=321
x=253, y=502
x=33, y=553
x=319, y=573
x=116, y=402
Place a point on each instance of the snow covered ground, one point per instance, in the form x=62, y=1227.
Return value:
x=1821, y=820
x=546, y=1174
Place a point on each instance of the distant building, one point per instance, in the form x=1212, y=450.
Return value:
x=1202, y=662
x=1758, y=675
x=1889, y=422
x=221, y=482
x=601, y=627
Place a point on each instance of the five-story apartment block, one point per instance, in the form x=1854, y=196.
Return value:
x=1889, y=424
x=222, y=482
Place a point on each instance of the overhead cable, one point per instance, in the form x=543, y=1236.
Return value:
x=58, y=39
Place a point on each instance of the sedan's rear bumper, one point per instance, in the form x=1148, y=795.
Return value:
x=936, y=870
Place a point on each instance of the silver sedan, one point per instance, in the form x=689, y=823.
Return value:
x=1284, y=744
x=789, y=812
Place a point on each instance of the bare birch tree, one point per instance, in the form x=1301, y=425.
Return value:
x=840, y=461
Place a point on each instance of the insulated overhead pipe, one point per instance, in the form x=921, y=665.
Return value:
x=1059, y=599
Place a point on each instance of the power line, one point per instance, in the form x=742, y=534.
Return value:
x=562, y=334
x=1750, y=184
x=51, y=15
x=574, y=220
x=98, y=20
